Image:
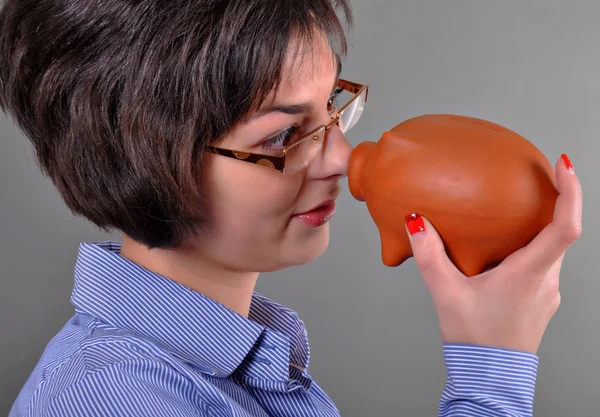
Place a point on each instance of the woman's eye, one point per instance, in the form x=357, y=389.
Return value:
x=280, y=141
x=284, y=138
x=331, y=104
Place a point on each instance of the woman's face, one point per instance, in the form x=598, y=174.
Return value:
x=261, y=220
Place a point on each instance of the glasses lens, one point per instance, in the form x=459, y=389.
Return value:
x=352, y=113
x=303, y=152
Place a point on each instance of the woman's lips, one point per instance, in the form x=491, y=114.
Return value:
x=318, y=216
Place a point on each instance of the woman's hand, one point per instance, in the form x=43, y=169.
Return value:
x=510, y=305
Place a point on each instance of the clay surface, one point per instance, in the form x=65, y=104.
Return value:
x=487, y=190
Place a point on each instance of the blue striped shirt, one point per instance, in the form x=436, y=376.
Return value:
x=140, y=344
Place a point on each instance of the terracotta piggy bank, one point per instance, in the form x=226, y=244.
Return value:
x=487, y=190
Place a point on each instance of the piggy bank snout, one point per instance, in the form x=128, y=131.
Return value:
x=355, y=168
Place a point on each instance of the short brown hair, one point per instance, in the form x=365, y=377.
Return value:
x=119, y=99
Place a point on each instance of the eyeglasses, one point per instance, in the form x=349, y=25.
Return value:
x=349, y=98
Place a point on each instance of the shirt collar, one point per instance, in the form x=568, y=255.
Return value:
x=188, y=324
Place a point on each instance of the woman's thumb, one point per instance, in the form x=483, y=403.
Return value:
x=429, y=253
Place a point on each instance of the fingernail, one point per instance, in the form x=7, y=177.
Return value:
x=567, y=162
x=414, y=223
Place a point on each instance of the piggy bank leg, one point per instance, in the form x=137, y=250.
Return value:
x=395, y=247
x=470, y=262
x=470, y=268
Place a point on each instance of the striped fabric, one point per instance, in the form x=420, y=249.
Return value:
x=140, y=345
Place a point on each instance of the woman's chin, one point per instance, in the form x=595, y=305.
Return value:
x=302, y=251
x=313, y=246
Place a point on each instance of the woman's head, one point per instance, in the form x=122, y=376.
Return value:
x=121, y=101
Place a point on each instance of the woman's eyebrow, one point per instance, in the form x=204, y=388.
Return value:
x=293, y=109
x=339, y=68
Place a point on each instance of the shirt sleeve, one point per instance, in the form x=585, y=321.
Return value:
x=487, y=381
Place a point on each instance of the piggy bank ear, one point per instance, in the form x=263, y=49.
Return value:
x=394, y=139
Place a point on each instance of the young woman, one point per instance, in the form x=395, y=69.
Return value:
x=211, y=134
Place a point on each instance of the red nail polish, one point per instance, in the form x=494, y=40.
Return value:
x=415, y=223
x=567, y=162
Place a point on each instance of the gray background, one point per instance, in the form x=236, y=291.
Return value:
x=533, y=66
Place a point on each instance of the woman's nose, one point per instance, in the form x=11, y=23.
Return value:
x=334, y=156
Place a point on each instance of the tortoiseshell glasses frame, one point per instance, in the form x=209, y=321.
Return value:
x=301, y=152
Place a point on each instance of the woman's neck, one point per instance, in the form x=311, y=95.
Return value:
x=233, y=289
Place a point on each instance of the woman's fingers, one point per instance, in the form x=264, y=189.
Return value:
x=551, y=244
x=436, y=269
